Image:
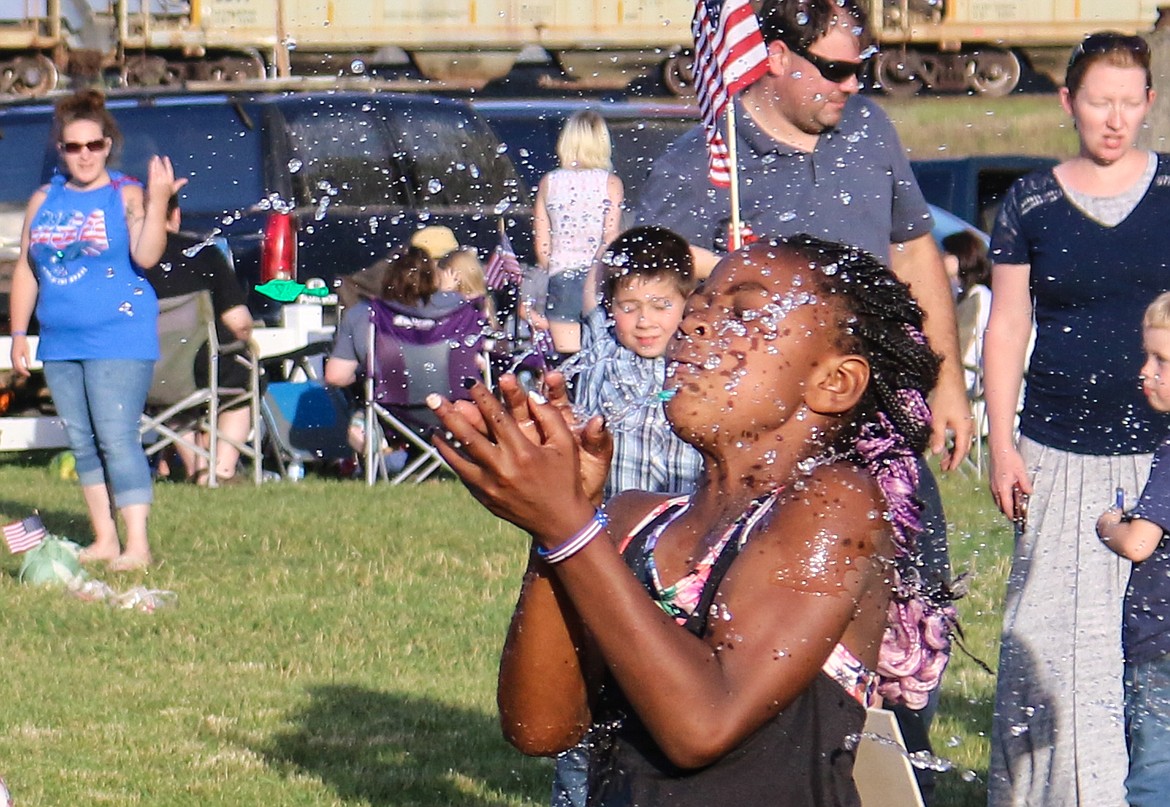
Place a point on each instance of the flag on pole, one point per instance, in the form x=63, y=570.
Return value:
x=23, y=535
x=729, y=55
x=502, y=268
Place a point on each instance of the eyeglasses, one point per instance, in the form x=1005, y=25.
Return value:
x=1109, y=42
x=836, y=72
x=92, y=146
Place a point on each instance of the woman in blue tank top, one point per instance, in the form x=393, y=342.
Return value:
x=87, y=235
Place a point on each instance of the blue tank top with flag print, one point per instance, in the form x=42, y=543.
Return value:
x=93, y=302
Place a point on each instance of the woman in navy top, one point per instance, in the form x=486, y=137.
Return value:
x=86, y=236
x=1081, y=250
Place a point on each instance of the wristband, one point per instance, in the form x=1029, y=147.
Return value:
x=18, y=333
x=577, y=542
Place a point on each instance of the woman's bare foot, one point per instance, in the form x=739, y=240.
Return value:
x=130, y=562
x=98, y=552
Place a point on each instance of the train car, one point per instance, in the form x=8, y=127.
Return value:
x=965, y=45
x=980, y=45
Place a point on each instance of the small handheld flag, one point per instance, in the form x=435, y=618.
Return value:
x=502, y=268
x=729, y=55
x=23, y=535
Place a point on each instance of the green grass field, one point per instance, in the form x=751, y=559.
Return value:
x=335, y=645
x=961, y=126
x=331, y=645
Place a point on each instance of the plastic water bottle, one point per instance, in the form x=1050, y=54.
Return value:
x=296, y=471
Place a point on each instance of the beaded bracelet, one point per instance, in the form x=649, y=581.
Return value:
x=577, y=542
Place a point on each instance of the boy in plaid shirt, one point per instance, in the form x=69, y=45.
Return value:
x=634, y=298
x=642, y=281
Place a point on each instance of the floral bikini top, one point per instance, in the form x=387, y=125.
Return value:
x=679, y=599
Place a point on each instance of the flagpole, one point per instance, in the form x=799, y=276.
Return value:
x=736, y=235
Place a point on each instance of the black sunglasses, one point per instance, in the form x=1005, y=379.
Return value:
x=1108, y=42
x=836, y=72
x=92, y=146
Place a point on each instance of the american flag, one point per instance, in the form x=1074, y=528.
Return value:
x=729, y=55
x=22, y=536
x=502, y=268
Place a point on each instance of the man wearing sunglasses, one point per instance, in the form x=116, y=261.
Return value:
x=816, y=157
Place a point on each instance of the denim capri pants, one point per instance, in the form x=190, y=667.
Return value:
x=565, y=292
x=101, y=403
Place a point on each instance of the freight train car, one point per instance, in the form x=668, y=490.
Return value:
x=974, y=45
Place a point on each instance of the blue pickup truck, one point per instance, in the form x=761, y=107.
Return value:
x=300, y=184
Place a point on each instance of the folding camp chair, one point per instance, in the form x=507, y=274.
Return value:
x=970, y=315
x=178, y=403
x=407, y=358
x=305, y=423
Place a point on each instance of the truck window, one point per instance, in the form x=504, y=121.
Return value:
x=342, y=156
x=207, y=143
x=455, y=160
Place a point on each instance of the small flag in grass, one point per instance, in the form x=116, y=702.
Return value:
x=23, y=535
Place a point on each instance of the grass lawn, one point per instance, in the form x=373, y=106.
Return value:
x=962, y=126
x=331, y=645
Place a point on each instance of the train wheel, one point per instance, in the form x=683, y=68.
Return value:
x=32, y=75
x=898, y=72
x=233, y=68
x=678, y=74
x=993, y=73
x=150, y=71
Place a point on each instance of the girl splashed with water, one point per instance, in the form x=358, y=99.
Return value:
x=770, y=607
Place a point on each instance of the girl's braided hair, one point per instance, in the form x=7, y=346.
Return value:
x=889, y=431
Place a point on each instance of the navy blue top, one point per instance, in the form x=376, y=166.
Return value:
x=855, y=187
x=1090, y=286
x=1146, y=630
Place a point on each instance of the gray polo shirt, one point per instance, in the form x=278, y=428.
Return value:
x=856, y=187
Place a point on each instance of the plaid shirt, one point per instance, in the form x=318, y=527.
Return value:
x=615, y=382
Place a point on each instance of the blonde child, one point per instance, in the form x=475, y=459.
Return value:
x=1140, y=536
x=576, y=213
x=461, y=271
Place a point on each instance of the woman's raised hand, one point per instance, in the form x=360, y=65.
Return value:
x=521, y=460
x=161, y=183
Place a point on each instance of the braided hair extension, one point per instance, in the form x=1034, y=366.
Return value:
x=882, y=323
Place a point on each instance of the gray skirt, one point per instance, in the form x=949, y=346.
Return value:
x=1058, y=735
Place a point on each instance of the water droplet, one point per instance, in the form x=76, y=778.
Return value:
x=295, y=165
x=434, y=186
x=126, y=309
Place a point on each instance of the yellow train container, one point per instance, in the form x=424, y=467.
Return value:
x=974, y=45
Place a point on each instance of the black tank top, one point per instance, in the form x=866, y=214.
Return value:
x=798, y=758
